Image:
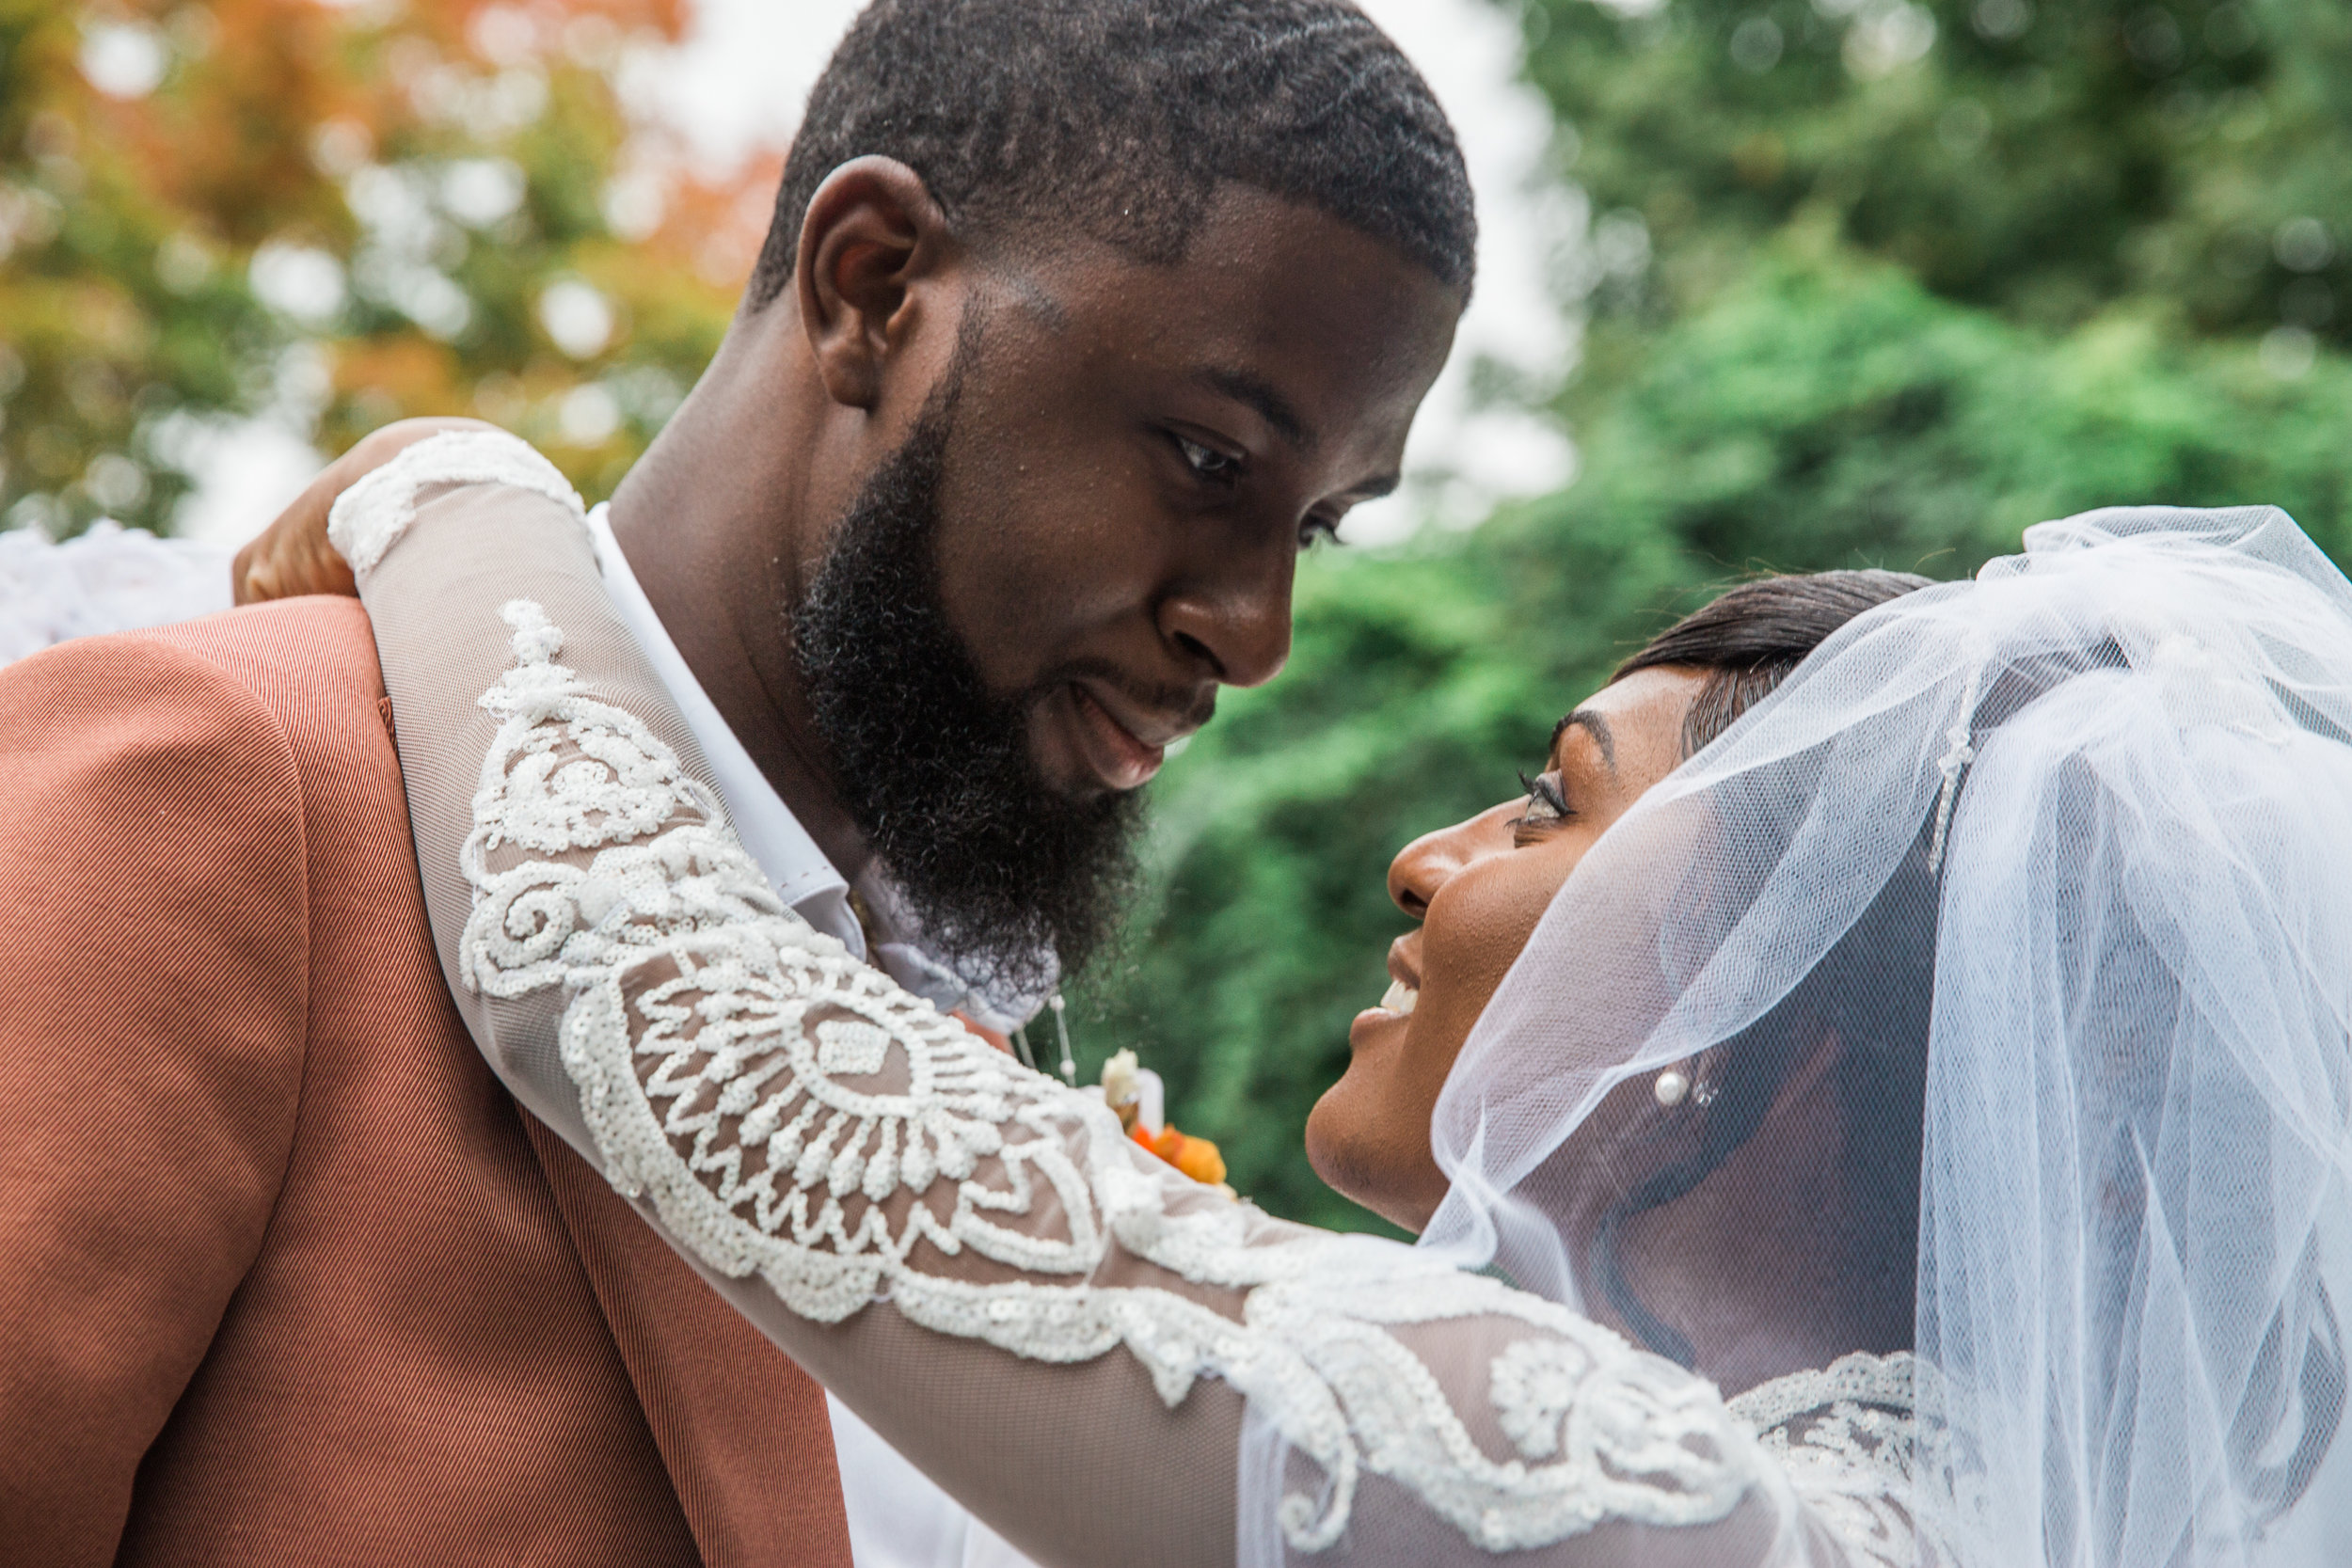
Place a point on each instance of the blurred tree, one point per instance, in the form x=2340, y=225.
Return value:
x=338, y=216
x=2042, y=157
x=1832, y=412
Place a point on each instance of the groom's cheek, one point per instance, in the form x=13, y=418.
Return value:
x=1045, y=560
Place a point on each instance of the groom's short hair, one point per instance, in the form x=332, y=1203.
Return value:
x=1120, y=117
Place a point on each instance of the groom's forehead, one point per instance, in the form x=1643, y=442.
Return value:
x=1275, y=305
x=1249, y=244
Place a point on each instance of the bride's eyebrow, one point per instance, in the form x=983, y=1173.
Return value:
x=1594, y=725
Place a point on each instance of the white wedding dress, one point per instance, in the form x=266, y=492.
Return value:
x=114, y=581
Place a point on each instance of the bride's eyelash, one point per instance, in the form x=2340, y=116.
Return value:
x=1543, y=790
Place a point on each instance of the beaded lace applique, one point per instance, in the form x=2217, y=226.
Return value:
x=1847, y=1436
x=794, y=1115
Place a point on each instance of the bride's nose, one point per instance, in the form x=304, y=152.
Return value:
x=1433, y=860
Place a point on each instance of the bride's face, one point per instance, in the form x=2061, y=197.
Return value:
x=1477, y=889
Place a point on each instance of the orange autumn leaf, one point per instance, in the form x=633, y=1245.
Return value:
x=335, y=216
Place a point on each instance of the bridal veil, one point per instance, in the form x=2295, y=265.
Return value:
x=2059, y=864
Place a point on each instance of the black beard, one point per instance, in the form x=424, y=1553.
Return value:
x=1001, y=869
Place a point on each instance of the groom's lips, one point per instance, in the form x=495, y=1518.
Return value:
x=1108, y=740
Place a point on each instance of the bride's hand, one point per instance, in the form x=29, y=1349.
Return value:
x=292, y=556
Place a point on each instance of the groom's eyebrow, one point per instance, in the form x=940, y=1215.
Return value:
x=1261, y=395
x=1594, y=725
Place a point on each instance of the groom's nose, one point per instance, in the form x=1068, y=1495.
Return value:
x=1235, y=617
x=1431, y=860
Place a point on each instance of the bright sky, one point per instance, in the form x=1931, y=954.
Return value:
x=738, y=82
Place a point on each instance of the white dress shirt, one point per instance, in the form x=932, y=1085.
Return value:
x=898, y=1518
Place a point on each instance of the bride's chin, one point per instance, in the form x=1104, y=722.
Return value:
x=1337, y=1158
x=1354, y=1139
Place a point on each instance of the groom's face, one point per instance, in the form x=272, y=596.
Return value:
x=1093, y=524
x=1140, y=453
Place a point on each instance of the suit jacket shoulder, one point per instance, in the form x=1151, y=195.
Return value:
x=305, y=1289
x=151, y=845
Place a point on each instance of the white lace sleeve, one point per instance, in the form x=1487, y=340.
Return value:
x=1060, y=1327
x=1847, y=1438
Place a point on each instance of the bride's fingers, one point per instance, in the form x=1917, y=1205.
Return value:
x=292, y=556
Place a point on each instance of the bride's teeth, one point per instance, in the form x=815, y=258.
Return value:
x=1399, y=998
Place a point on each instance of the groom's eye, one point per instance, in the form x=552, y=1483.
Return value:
x=1216, y=467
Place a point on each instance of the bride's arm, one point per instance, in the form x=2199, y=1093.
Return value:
x=1057, y=1326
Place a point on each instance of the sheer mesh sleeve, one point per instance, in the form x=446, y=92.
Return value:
x=1066, y=1333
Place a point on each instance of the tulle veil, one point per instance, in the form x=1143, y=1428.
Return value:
x=2070, y=846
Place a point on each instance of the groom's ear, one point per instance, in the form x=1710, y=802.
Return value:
x=871, y=234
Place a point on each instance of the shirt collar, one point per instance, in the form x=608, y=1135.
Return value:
x=795, y=867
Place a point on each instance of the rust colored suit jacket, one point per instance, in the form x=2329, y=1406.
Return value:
x=285, y=1275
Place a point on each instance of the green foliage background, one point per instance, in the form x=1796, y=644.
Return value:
x=1871, y=282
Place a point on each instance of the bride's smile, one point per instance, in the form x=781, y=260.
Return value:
x=1477, y=890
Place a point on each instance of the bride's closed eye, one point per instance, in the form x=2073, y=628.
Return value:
x=1547, y=808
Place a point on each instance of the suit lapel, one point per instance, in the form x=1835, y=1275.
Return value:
x=741, y=1429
